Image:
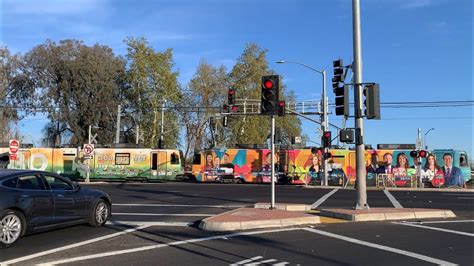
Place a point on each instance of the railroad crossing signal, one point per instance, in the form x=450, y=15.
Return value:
x=270, y=95
x=418, y=154
x=326, y=139
x=231, y=96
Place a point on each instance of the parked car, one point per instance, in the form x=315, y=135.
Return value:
x=33, y=201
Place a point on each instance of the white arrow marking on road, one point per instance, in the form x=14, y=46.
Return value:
x=377, y=246
x=435, y=228
x=323, y=199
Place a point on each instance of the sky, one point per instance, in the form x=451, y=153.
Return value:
x=417, y=50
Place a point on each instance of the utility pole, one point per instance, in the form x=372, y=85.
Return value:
x=117, y=134
x=273, y=162
x=324, y=127
x=358, y=118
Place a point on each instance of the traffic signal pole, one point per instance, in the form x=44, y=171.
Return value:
x=324, y=127
x=358, y=118
x=273, y=162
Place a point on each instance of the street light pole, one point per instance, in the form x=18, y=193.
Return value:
x=426, y=146
x=324, y=117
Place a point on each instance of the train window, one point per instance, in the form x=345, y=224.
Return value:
x=463, y=160
x=154, y=161
x=197, y=158
x=174, y=158
x=122, y=159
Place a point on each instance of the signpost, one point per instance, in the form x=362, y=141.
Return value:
x=14, y=148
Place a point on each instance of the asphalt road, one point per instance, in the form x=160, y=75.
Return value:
x=156, y=224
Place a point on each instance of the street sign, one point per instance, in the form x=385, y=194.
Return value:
x=88, y=149
x=14, y=148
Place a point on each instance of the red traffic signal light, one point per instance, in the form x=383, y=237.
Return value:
x=231, y=96
x=281, y=108
x=268, y=84
x=234, y=108
x=225, y=108
x=270, y=95
x=326, y=139
x=422, y=154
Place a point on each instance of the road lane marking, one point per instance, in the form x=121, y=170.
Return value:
x=458, y=194
x=175, y=243
x=263, y=262
x=468, y=198
x=323, y=198
x=246, y=261
x=437, y=229
x=381, y=247
x=392, y=199
x=161, y=214
x=442, y=222
x=47, y=252
x=181, y=205
x=141, y=223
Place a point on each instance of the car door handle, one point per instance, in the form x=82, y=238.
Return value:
x=60, y=196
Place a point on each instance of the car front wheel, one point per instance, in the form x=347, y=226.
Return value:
x=100, y=213
x=11, y=227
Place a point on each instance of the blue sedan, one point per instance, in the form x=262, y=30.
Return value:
x=33, y=201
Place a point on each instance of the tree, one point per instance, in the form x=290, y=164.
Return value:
x=152, y=85
x=207, y=89
x=16, y=92
x=78, y=86
x=246, y=77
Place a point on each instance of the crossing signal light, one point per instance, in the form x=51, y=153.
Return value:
x=326, y=139
x=372, y=101
x=270, y=95
x=281, y=108
x=234, y=108
x=225, y=108
x=342, y=100
x=231, y=96
x=418, y=154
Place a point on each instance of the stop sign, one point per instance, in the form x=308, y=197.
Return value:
x=14, y=146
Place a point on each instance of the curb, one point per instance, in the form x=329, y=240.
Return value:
x=284, y=206
x=380, y=215
x=232, y=221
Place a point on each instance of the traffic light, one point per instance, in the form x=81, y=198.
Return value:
x=338, y=73
x=270, y=95
x=225, y=108
x=372, y=101
x=231, y=96
x=342, y=100
x=422, y=154
x=418, y=154
x=234, y=109
x=326, y=139
x=281, y=108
